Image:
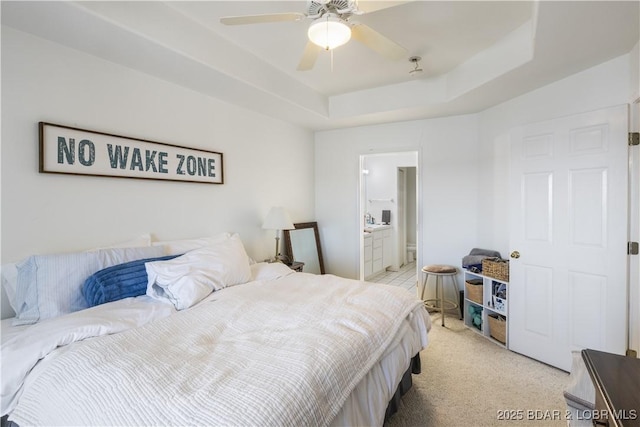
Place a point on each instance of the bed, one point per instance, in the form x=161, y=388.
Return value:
x=210, y=338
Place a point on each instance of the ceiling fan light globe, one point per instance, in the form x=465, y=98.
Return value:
x=329, y=32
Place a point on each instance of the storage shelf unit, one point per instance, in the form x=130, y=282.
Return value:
x=489, y=306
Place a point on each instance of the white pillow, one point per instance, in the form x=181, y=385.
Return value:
x=269, y=271
x=187, y=279
x=51, y=285
x=176, y=247
x=115, y=256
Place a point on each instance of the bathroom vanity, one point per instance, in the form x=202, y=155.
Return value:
x=377, y=249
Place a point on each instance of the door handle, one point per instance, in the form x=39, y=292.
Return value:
x=515, y=254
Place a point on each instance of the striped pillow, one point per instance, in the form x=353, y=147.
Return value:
x=51, y=285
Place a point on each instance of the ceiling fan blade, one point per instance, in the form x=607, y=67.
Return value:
x=377, y=42
x=261, y=19
x=372, y=6
x=309, y=56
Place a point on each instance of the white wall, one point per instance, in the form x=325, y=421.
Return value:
x=464, y=167
x=382, y=181
x=634, y=73
x=612, y=83
x=602, y=86
x=448, y=149
x=266, y=162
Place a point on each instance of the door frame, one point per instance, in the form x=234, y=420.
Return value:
x=633, y=291
x=361, y=203
x=401, y=184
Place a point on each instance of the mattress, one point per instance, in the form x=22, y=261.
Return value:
x=42, y=351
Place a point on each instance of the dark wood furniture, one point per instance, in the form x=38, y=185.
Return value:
x=303, y=244
x=617, y=382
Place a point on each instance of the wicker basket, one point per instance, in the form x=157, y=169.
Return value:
x=474, y=290
x=498, y=329
x=496, y=268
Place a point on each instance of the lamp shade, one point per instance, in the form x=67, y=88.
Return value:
x=278, y=219
x=329, y=32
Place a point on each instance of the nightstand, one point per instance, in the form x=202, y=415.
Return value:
x=296, y=266
x=615, y=378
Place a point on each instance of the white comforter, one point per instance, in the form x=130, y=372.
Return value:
x=276, y=352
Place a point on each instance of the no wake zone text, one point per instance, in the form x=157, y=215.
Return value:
x=135, y=159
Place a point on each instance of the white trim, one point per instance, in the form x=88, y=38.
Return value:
x=634, y=232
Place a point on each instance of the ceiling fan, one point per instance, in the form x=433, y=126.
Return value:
x=331, y=27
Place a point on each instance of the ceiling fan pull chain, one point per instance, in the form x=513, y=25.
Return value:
x=326, y=35
x=331, y=52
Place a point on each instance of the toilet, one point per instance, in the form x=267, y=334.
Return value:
x=411, y=252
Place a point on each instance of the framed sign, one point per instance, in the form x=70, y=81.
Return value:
x=69, y=150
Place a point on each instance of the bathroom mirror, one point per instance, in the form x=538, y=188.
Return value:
x=303, y=244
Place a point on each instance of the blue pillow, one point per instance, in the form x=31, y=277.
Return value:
x=118, y=281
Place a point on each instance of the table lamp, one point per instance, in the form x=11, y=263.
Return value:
x=277, y=219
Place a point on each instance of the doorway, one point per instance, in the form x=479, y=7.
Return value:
x=569, y=226
x=389, y=201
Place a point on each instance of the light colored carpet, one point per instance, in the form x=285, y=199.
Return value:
x=467, y=380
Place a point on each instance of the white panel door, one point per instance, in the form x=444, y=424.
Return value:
x=569, y=224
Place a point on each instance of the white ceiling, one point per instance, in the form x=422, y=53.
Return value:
x=475, y=53
x=431, y=30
